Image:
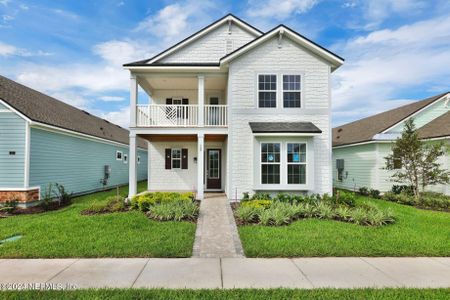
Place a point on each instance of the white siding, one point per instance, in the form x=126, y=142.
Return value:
x=211, y=47
x=269, y=58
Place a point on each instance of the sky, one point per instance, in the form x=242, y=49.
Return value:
x=395, y=51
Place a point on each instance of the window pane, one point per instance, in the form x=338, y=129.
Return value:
x=296, y=153
x=291, y=99
x=270, y=173
x=267, y=99
x=296, y=174
x=270, y=152
x=176, y=163
x=176, y=153
x=291, y=82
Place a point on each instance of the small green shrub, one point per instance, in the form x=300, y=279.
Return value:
x=364, y=191
x=374, y=193
x=402, y=198
x=9, y=206
x=343, y=213
x=276, y=216
x=432, y=200
x=324, y=211
x=257, y=203
x=345, y=198
x=145, y=201
x=245, y=196
x=110, y=205
x=407, y=189
x=261, y=196
x=174, y=211
x=248, y=214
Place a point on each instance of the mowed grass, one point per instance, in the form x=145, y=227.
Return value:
x=67, y=233
x=416, y=233
x=248, y=294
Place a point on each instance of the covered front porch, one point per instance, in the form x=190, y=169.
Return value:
x=194, y=162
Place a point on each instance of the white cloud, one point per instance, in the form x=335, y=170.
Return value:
x=111, y=98
x=24, y=7
x=279, y=9
x=5, y=2
x=384, y=63
x=120, y=117
x=7, y=50
x=120, y=52
x=72, y=98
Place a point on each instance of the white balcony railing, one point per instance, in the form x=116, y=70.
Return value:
x=159, y=115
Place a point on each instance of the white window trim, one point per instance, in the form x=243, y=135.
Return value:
x=276, y=89
x=297, y=163
x=294, y=91
x=172, y=159
x=121, y=155
x=270, y=163
x=125, y=158
x=284, y=186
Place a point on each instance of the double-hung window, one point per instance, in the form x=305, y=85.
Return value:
x=270, y=163
x=267, y=90
x=176, y=158
x=296, y=163
x=292, y=91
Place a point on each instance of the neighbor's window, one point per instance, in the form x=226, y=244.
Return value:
x=119, y=155
x=291, y=91
x=176, y=158
x=125, y=158
x=270, y=163
x=267, y=90
x=296, y=163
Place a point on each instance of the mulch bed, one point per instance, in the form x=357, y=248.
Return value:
x=34, y=209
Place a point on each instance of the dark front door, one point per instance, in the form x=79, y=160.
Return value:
x=213, y=169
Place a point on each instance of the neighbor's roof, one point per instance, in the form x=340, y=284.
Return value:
x=284, y=127
x=331, y=57
x=364, y=130
x=439, y=127
x=41, y=108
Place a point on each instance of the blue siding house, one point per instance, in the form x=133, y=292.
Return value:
x=43, y=141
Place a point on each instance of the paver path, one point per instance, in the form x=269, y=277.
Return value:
x=216, y=234
x=216, y=273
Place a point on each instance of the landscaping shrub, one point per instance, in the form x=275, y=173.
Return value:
x=407, y=189
x=174, y=211
x=248, y=214
x=364, y=191
x=345, y=198
x=145, y=201
x=343, y=213
x=432, y=200
x=110, y=205
x=374, y=193
x=257, y=203
x=324, y=211
x=261, y=196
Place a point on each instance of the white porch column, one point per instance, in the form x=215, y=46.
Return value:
x=200, y=164
x=201, y=100
x=133, y=99
x=133, y=166
x=148, y=166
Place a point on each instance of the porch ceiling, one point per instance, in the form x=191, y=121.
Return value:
x=167, y=82
x=182, y=137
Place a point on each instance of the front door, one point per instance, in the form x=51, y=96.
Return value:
x=213, y=169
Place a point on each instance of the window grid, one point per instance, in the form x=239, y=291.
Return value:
x=291, y=90
x=270, y=163
x=296, y=163
x=267, y=90
x=176, y=158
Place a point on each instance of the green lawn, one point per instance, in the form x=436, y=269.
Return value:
x=67, y=233
x=361, y=294
x=415, y=233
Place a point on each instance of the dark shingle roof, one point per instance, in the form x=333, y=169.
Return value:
x=44, y=109
x=363, y=130
x=284, y=127
x=439, y=127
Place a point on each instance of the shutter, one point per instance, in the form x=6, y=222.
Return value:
x=169, y=101
x=184, y=158
x=168, y=159
x=185, y=101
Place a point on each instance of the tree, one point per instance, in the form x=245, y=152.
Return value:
x=416, y=162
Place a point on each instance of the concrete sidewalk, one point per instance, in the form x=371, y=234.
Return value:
x=210, y=273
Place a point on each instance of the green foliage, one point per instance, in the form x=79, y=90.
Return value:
x=145, y=201
x=374, y=193
x=364, y=191
x=418, y=161
x=261, y=196
x=248, y=214
x=345, y=198
x=436, y=201
x=110, y=205
x=324, y=211
x=257, y=203
x=343, y=213
x=174, y=211
x=397, y=189
x=62, y=195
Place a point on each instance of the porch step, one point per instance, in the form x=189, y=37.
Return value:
x=216, y=234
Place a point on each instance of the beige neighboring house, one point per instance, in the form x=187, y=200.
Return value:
x=234, y=109
x=359, y=148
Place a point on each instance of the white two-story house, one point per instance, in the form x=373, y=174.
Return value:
x=237, y=110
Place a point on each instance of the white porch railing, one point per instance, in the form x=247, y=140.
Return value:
x=159, y=115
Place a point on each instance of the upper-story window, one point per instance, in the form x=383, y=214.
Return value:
x=267, y=90
x=291, y=91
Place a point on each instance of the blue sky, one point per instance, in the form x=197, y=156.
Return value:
x=395, y=51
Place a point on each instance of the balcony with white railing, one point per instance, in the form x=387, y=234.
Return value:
x=160, y=115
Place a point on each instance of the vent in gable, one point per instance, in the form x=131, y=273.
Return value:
x=228, y=46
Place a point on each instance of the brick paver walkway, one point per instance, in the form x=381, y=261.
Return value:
x=216, y=234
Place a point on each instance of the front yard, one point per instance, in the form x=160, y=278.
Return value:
x=67, y=233
x=415, y=232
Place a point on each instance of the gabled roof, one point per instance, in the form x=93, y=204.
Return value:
x=284, y=127
x=44, y=109
x=193, y=37
x=329, y=56
x=439, y=127
x=364, y=130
